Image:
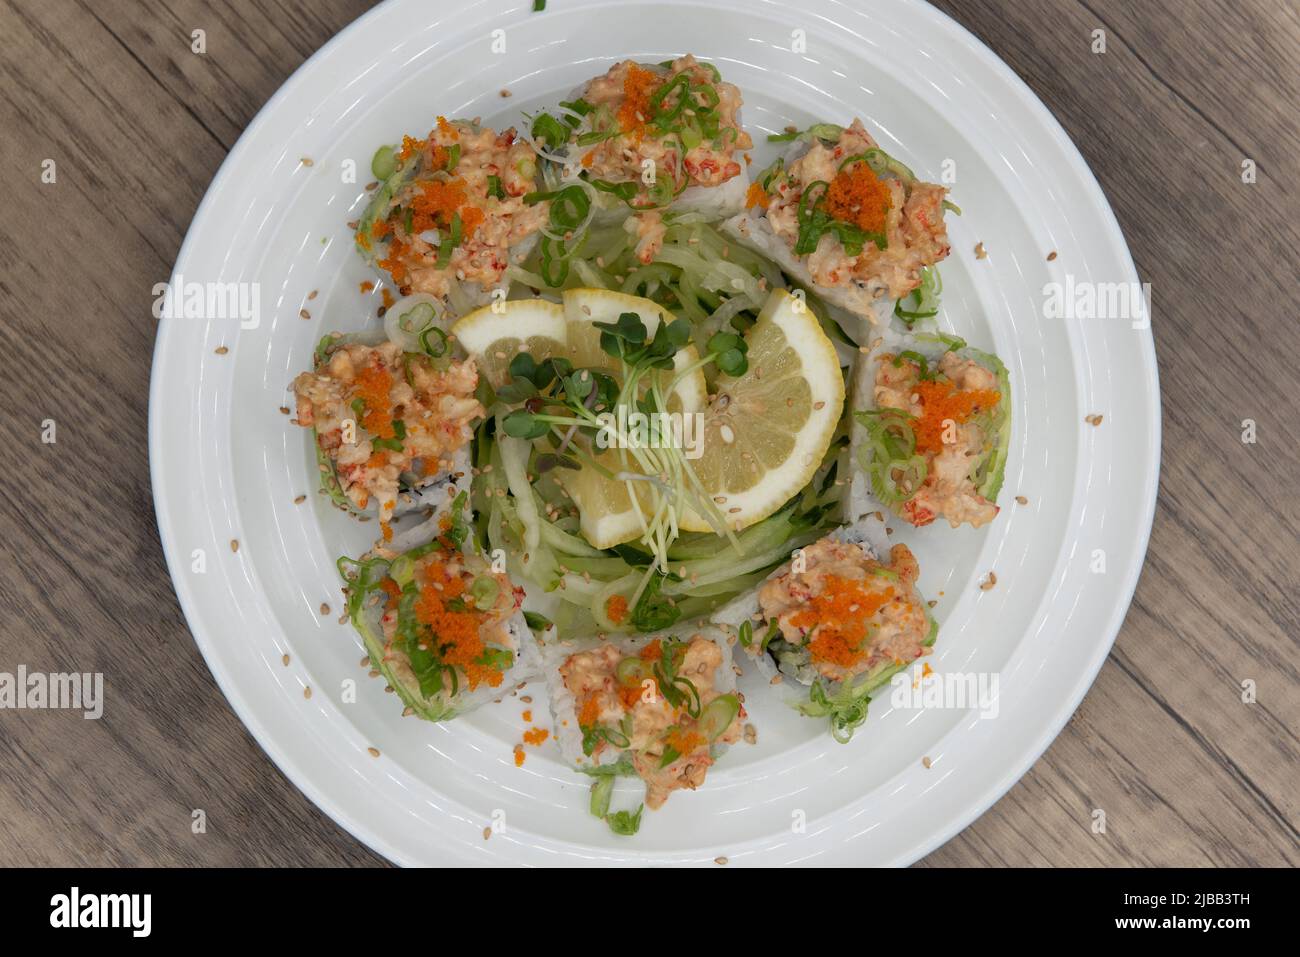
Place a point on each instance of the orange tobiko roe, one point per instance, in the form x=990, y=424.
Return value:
x=840, y=615
x=616, y=609
x=856, y=195
x=638, y=86
x=941, y=402
x=684, y=742
x=456, y=632
x=590, y=712
x=372, y=387
x=630, y=695
x=446, y=129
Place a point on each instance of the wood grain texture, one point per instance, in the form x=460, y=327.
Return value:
x=1185, y=772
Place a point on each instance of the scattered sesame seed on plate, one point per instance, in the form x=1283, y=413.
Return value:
x=926, y=761
x=306, y=692
x=284, y=410
x=374, y=752
x=284, y=660
x=719, y=860
x=324, y=608
x=1051, y=256
x=989, y=582
x=487, y=832
x=300, y=499
x=304, y=314
x=980, y=251
x=221, y=350
x=1021, y=500
x=234, y=544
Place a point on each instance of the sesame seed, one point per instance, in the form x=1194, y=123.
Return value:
x=980, y=252
x=487, y=832
x=374, y=752
x=300, y=499
x=306, y=692
x=234, y=544
x=284, y=410
x=284, y=660
x=307, y=161
x=324, y=608
x=1051, y=255
x=926, y=761
x=303, y=313
x=719, y=860
x=221, y=350
x=1021, y=500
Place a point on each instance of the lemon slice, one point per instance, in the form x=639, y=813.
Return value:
x=607, y=513
x=584, y=307
x=495, y=334
x=766, y=432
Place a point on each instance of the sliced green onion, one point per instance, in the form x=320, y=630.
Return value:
x=601, y=792
x=449, y=241
x=384, y=163
x=550, y=131
x=538, y=622
x=485, y=591
x=718, y=715
x=434, y=341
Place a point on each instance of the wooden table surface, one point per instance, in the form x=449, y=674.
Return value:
x=1185, y=771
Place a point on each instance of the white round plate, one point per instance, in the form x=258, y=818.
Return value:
x=227, y=464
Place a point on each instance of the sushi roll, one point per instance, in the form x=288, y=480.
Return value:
x=651, y=139
x=838, y=622
x=391, y=426
x=446, y=630
x=844, y=217
x=450, y=213
x=932, y=430
x=661, y=709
